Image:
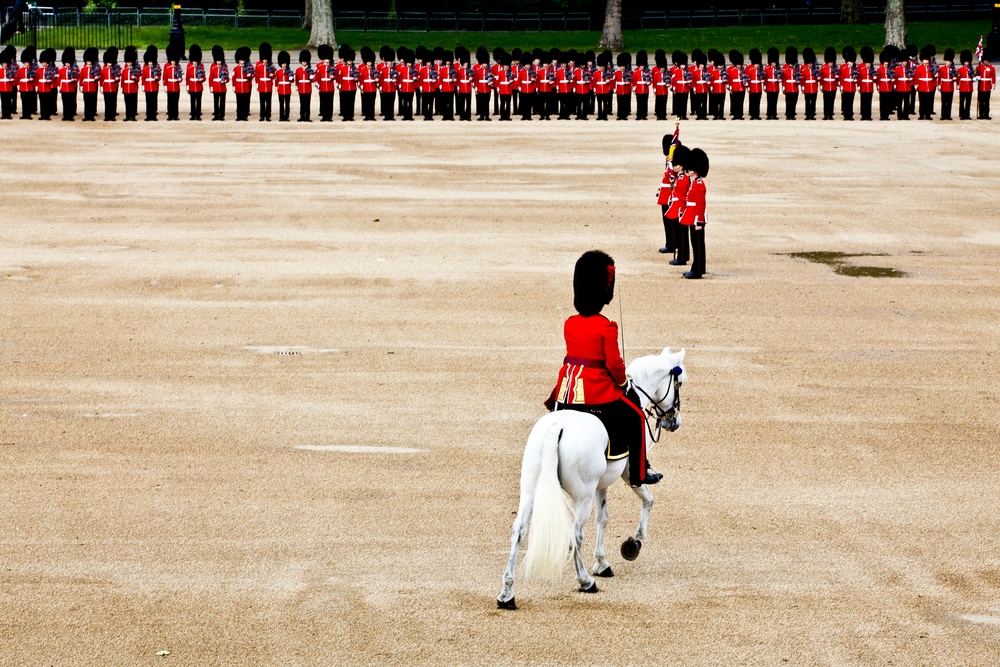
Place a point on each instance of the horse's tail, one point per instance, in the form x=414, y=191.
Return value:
x=550, y=535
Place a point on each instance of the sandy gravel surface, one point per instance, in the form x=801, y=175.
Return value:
x=186, y=306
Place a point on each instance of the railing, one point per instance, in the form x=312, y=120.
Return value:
x=44, y=28
x=364, y=21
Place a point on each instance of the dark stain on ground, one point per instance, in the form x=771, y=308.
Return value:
x=838, y=262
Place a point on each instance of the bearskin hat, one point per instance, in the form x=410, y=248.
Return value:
x=755, y=56
x=555, y=56
x=711, y=55
x=772, y=55
x=808, y=56
x=152, y=53
x=69, y=55
x=573, y=56
x=386, y=53
x=912, y=51
x=48, y=56
x=346, y=53
x=367, y=54
x=735, y=57
x=667, y=138
x=284, y=58
x=194, y=53
x=624, y=59
x=265, y=52
x=891, y=53
x=718, y=59
x=696, y=56
x=590, y=56
x=966, y=56
x=497, y=53
x=110, y=56
x=660, y=58
x=448, y=56
x=407, y=55
x=538, y=54
x=849, y=54
x=681, y=155
x=697, y=162
x=949, y=55
x=218, y=54
x=482, y=55
x=928, y=52
x=10, y=53
x=792, y=55
x=437, y=54
x=243, y=53
x=830, y=55
x=131, y=54
x=516, y=54
x=593, y=282
x=676, y=56
x=885, y=55
x=5, y=58
x=462, y=54
x=641, y=59
x=867, y=54
x=174, y=53
x=305, y=56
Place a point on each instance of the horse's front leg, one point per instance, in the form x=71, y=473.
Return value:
x=601, y=566
x=506, y=598
x=631, y=546
x=582, y=513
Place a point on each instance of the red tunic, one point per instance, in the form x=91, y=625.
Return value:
x=694, y=209
x=526, y=82
x=303, y=81
x=661, y=79
x=666, y=187
x=195, y=77
x=218, y=79
x=172, y=78
x=325, y=77
x=384, y=73
x=463, y=78
x=593, y=371
x=347, y=77
x=564, y=80
x=26, y=78
x=407, y=84
x=45, y=82
x=678, y=81
x=265, y=77
x=283, y=81
x=848, y=78
x=946, y=80
x=755, y=84
x=447, y=78
x=581, y=81
x=130, y=79
x=733, y=73
x=987, y=77
x=67, y=79
x=151, y=78
x=602, y=82
x=772, y=79
x=866, y=84
x=810, y=84
x=699, y=81
x=8, y=79
x=679, y=196
x=640, y=81
x=788, y=80
x=503, y=82
x=623, y=83
x=716, y=82
x=109, y=79
x=965, y=74
x=924, y=79
x=902, y=79
x=242, y=79
x=828, y=77
x=883, y=78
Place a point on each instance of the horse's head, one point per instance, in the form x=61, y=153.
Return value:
x=658, y=379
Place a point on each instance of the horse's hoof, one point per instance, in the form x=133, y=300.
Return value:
x=506, y=604
x=630, y=548
x=590, y=589
x=606, y=572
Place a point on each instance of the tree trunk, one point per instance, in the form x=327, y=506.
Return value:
x=322, y=24
x=612, y=38
x=895, y=23
x=307, y=21
x=852, y=12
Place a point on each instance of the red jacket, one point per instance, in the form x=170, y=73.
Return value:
x=564, y=80
x=593, y=371
x=283, y=81
x=194, y=77
x=924, y=79
x=716, y=84
x=883, y=78
x=242, y=78
x=866, y=82
x=965, y=74
x=90, y=78
x=367, y=78
x=526, y=80
x=772, y=79
x=264, y=74
x=581, y=81
x=694, y=208
x=807, y=75
x=347, y=77
x=173, y=76
x=679, y=196
x=8, y=79
x=109, y=78
x=407, y=82
x=45, y=82
x=481, y=77
x=151, y=75
x=755, y=83
x=68, y=76
x=218, y=78
x=623, y=83
x=504, y=82
x=325, y=77
x=446, y=76
x=903, y=83
x=699, y=81
x=987, y=77
x=828, y=77
x=848, y=78
x=641, y=78
x=733, y=73
x=130, y=79
x=678, y=81
x=666, y=187
x=788, y=80
x=661, y=81
x=385, y=73
x=26, y=78
x=603, y=81
x=946, y=79
x=463, y=79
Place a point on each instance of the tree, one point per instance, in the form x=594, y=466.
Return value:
x=895, y=23
x=322, y=23
x=852, y=12
x=307, y=19
x=611, y=37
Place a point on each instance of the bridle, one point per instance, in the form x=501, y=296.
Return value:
x=665, y=417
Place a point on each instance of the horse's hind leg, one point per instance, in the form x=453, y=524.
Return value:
x=506, y=598
x=582, y=513
x=601, y=566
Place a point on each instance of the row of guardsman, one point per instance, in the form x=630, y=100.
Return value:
x=542, y=84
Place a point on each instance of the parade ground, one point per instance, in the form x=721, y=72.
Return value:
x=266, y=387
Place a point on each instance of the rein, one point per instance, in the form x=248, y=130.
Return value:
x=665, y=417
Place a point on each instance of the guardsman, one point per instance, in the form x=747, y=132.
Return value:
x=483, y=79
x=194, y=79
x=715, y=72
x=699, y=85
x=498, y=54
x=173, y=77
x=218, y=82
x=590, y=58
x=243, y=73
x=264, y=71
x=387, y=75
x=911, y=67
x=544, y=85
x=325, y=78
x=347, y=80
x=737, y=83
x=527, y=85
x=304, y=80
x=464, y=83
x=131, y=75
x=368, y=83
x=678, y=200
x=866, y=81
x=623, y=86
x=8, y=82
x=790, y=81
x=582, y=85
x=47, y=84
x=902, y=83
x=90, y=83
x=515, y=77
x=283, y=86
x=754, y=74
x=809, y=78
x=986, y=77
x=848, y=81
x=925, y=80
x=505, y=85
x=429, y=84
x=564, y=85
x=661, y=84
x=965, y=78
x=152, y=73
x=446, y=93
x=772, y=83
x=69, y=78
x=604, y=82
x=679, y=83
x=406, y=80
x=946, y=76
x=111, y=74
x=884, y=84
x=641, y=80
x=26, y=75
x=828, y=75
x=663, y=197
x=694, y=210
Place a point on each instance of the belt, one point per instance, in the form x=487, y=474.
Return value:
x=587, y=363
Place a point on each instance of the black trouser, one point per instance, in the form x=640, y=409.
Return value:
x=151, y=105
x=551, y=104
x=427, y=99
x=829, y=97
x=810, y=105
x=406, y=106
x=347, y=104
x=304, y=104
x=903, y=105
x=89, y=106
x=515, y=102
x=717, y=105
x=625, y=423
x=242, y=106
x=591, y=102
x=624, y=104
x=911, y=101
x=754, y=106
x=173, y=106
x=284, y=107
x=69, y=106
x=660, y=107
x=265, y=105
x=218, y=106
x=483, y=105
x=681, y=105
x=388, y=103
x=847, y=105
x=110, y=106
x=7, y=105
x=669, y=230
x=131, y=105
x=195, y=106
x=582, y=105
x=505, y=101
x=736, y=104
x=47, y=105
x=866, y=106
x=699, y=105
x=698, y=250
x=772, y=106
x=463, y=106
x=642, y=106
x=566, y=103
x=984, y=104
x=946, y=99
x=926, y=101
x=527, y=102
x=368, y=106
x=420, y=102
x=29, y=104
x=964, y=106
x=326, y=106
x=885, y=104
x=791, y=100
x=681, y=243
x=446, y=104
x=496, y=102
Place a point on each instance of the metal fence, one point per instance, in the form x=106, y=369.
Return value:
x=46, y=28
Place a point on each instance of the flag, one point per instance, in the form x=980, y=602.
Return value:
x=979, y=49
x=676, y=139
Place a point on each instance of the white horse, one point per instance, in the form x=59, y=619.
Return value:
x=565, y=454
